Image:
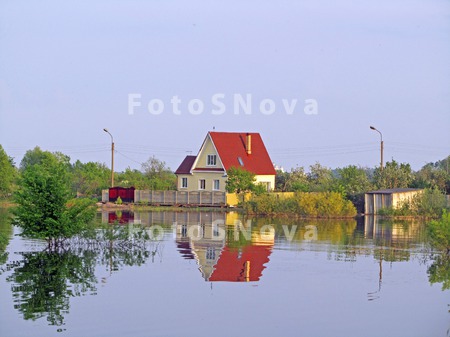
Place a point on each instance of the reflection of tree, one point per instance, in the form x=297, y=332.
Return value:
x=5, y=234
x=43, y=282
x=439, y=271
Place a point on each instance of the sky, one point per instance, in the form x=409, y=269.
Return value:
x=310, y=75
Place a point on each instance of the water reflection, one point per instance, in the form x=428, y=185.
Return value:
x=226, y=247
x=233, y=248
x=5, y=235
x=439, y=271
x=43, y=282
x=232, y=253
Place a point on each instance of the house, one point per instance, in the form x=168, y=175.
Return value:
x=219, y=152
x=389, y=198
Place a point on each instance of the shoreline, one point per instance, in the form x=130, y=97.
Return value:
x=7, y=204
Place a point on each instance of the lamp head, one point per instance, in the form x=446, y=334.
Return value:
x=373, y=128
x=106, y=130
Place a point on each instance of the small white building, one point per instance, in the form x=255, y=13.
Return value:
x=389, y=198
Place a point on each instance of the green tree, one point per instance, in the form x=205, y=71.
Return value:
x=320, y=178
x=32, y=157
x=133, y=178
x=281, y=179
x=7, y=173
x=44, y=207
x=433, y=175
x=394, y=175
x=353, y=179
x=159, y=176
x=240, y=181
x=298, y=181
x=90, y=178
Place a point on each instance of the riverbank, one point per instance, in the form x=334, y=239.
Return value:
x=139, y=207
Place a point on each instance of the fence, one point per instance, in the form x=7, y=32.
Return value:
x=180, y=198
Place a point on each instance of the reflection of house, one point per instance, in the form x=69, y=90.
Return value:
x=390, y=198
x=219, y=152
x=219, y=261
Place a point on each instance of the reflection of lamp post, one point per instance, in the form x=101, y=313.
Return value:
x=112, y=157
x=381, y=146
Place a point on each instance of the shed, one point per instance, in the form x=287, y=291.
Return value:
x=389, y=198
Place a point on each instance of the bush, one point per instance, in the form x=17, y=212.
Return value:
x=320, y=204
x=119, y=201
x=439, y=232
x=430, y=203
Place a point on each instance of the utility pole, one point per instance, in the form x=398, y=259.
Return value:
x=381, y=146
x=112, y=157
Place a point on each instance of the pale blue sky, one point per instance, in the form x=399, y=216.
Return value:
x=66, y=69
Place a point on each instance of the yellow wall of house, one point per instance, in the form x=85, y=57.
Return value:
x=203, y=155
x=193, y=181
x=266, y=179
x=233, y=199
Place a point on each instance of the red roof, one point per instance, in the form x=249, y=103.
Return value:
x=232, y=145
x=186, y=165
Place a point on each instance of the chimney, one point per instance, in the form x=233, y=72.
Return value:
x=249, y=144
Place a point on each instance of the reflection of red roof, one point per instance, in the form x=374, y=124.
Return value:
x=231, y=266
x=185, y=249
x=186, y=165
x=232, y=145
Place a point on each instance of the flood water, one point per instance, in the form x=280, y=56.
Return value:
x=221, y=274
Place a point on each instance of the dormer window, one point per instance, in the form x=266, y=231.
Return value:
x=211, y=160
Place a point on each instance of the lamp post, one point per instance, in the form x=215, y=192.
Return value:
x=381, y=146
x=112, y=156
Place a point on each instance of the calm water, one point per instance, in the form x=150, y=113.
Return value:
x=216, y=274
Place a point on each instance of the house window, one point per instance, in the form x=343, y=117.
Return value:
x=210, y=253
x=184, y=183
x=202, y=184
x=216, y=185
x=211, y=160
x=240, y=161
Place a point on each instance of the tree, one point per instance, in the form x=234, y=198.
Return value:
x=32, y=157
x=132, y=178
x=320, y=178
x=90, y=178
x=353, y=179
x=159, y=176
x=393, y=176
x=433, y=175
x=240, y=181
x=298, y=180
x=281, y=179
x=7, y=173
x=45, y=210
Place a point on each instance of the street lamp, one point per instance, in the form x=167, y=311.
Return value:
x=112, y=157
x=381, y=146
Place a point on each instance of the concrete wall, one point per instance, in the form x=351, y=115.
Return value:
x=376, y=201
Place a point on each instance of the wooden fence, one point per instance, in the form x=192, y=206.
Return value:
x=180, y=198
